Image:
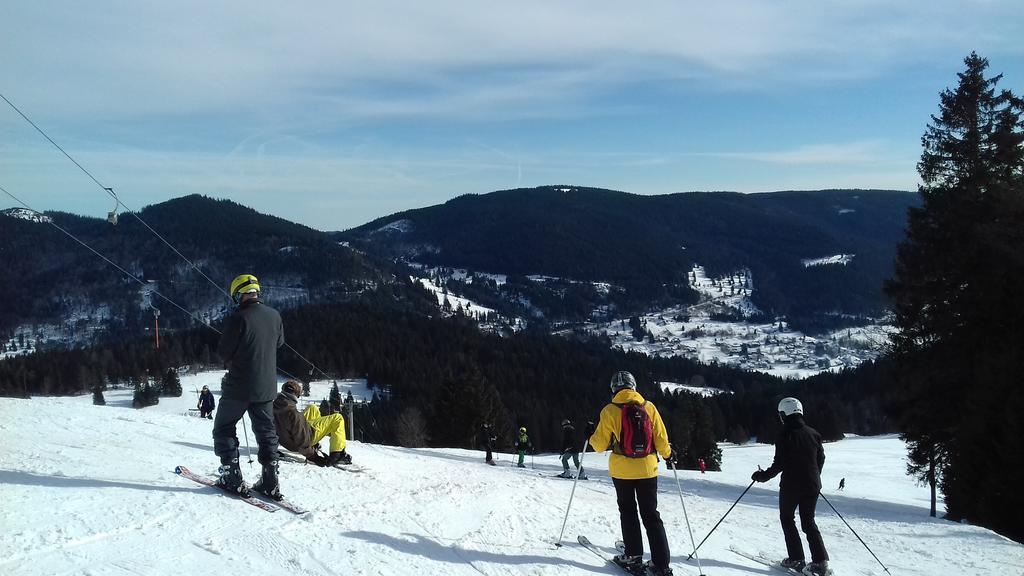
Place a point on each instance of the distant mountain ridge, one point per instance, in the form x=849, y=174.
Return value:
x=25, y=214
x=49, y=278
x=647, y=244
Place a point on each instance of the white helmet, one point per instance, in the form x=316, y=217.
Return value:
x=789, y=406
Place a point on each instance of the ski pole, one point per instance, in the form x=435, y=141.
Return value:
x=248, y=449
x=854, y=532
x=575, y=481
x=686, y=517
x=720, y=521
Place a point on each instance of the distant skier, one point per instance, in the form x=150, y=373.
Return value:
x=842, y=483
x=206, y=403
x=569, y=446
x=248, y=345
x=799, y=456
x=302, y=433
x=701, y=465
x=490, y=438
x=633, y=429
x=522, y=445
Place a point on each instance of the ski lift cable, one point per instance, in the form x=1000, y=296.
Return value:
x=127, y=273
x=110, y=191
x=80, y=167
x=118, y=201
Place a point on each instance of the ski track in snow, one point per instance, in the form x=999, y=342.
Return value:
x=91, y=490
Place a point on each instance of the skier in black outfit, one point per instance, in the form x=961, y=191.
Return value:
x=800, y=457
x=248, y=345
x=489, y=439
x=569, y=446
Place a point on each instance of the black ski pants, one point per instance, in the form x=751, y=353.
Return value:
x=225, y=436
x=632, y=494
x=806, y=500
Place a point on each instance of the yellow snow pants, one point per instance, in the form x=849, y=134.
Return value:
x=333, y=426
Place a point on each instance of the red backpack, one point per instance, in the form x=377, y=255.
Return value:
x=636, y=438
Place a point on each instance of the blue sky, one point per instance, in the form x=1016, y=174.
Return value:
x=332, y=114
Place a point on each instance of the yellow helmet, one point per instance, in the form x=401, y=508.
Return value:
x=244, y=283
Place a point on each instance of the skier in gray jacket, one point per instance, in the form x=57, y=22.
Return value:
x=248, y=346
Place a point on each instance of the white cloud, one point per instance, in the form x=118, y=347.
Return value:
x=123, y=60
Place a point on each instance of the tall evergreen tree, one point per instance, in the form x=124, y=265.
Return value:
x=97, y=394
x=171, y=384
x=959, y=276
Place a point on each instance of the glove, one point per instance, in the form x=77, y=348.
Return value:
x=589, y=430
x=317, y=459
x=760, y=476
x=670, y=462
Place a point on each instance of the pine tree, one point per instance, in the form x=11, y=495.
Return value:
x=959, y=275
x=335, y=397
x=171, y=384
x=97, y=394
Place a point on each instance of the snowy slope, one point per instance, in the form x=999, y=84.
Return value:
x=91, y=490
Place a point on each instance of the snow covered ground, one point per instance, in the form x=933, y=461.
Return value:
x=91, y=490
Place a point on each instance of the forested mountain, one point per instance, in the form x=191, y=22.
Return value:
x=647, y=244
x=356, y=314
x=439, y=379
x=50, y=278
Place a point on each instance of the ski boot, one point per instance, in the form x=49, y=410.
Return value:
x=231, y=478
x=565, y=474
x=791, y=564
x=817, y=569
x=339, y=458
x=652, y=571
x=268, y=484
x=631, y=564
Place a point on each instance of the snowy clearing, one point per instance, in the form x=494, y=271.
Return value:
x=91, y=490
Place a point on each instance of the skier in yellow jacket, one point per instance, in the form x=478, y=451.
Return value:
x=302, y=432
x=635, y=441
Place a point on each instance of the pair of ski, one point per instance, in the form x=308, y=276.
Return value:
x=620, y=546
x=770, y=563
x=261, y=502
x=300, y=459
x=567, y=477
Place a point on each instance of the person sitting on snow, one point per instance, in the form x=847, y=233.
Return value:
x=302, y=433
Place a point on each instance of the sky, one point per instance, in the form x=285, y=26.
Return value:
x=333, y=114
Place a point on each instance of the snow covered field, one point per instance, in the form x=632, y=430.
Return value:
x=91, y=490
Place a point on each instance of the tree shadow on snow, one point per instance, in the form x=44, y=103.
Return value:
x=419, y=545
x=767, y=496
x=503, y=459
x=50, y=481
x=203, y=447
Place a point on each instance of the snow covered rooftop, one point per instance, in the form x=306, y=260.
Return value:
x=843, y=259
